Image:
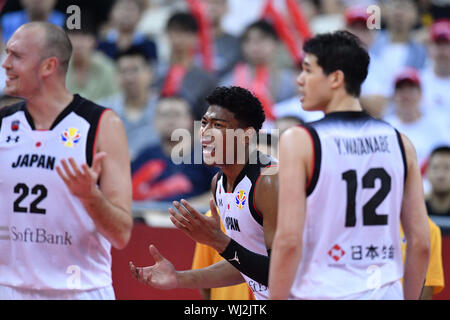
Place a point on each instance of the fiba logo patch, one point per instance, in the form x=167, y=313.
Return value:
x=70, y=137
x=241, y=198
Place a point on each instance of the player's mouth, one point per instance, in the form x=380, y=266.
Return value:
x=209, y=149
x=11, y=78
x=301, y=95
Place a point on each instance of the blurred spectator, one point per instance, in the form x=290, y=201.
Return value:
x=99, y=10
x=124, y=17
x=374, y=97
x=438, y=174
x=42, y=10
x=394, y=46
x=205, y=256
x=154, y=20
x=309, y=8
x=242, y=13
x=226, y=47
x=136, y=100
x=287, y=120
x=436, y=77
x=424, y=128
x=180, y=76
x=431, y=10
x=258, y=72
x=330, y=17
x=155, y=176
x=292, y=108
x=90, y=73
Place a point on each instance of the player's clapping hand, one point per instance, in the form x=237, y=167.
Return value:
x=81, y=182
x=199, y=227
x=162, y=275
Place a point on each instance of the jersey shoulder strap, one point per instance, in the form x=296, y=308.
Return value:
x=9, y=110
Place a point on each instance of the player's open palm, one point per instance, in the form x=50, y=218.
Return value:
x=82, y=182
x=199, y=227
x=162, y=275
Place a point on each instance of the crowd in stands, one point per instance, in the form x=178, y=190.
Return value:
x=154, y=62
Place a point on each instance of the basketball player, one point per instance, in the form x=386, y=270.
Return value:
x=346, y=182
x=65, y=186
x=245, y=193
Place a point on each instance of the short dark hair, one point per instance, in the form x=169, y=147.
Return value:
x=246, y=107
x=440, y=150
x=341, y=50
x=264, y=26
x=182, y=21
x=134, y=51
x=176, y=97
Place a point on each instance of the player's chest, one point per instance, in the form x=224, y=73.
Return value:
x=24, y=148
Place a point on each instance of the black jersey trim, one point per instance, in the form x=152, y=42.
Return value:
x=252, y=206
x=92, y=113
x=402, y=149
x=253, y=172
x=75, y=101
x=10, y=110
x=72, y=105
x=317, y=158
x=254, y=177
x=346, y=115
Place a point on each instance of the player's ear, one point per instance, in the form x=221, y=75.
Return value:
x=49, y=66
x=337, y=79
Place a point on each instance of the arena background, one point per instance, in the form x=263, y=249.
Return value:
x=151, y=219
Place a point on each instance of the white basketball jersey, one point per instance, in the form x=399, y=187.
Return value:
x=351, y=239
x=242, y=222
x=47, y=239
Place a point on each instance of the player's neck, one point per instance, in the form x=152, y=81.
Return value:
x=232, y=171
x=45, y=107
x=440, y=201
x=342, y=101
x=138, y=101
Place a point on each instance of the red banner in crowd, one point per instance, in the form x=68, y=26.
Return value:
x=300, y=24
x=258, y=84
x=205, y=34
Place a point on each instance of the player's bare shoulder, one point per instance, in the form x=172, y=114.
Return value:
x=111, y=130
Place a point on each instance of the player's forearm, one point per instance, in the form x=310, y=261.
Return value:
x=416, y=264
x=113, y=222
x=220, y=274
x=285, y=256
x=252, y=264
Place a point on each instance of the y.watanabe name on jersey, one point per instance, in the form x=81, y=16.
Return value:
x=362, y=145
